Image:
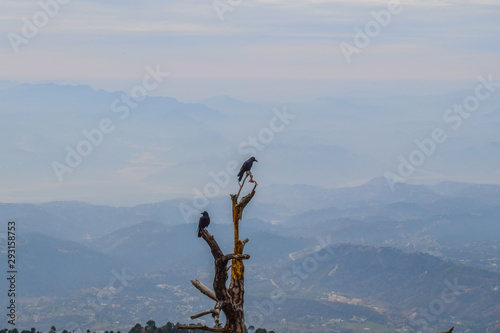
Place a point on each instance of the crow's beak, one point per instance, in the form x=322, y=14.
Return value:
x=255, y=160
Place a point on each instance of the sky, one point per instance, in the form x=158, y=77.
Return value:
x=274, y=49
x=316, y=56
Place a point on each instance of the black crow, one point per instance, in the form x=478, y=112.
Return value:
x=204, y=222
x=246, y=167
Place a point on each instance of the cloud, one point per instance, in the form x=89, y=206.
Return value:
x=259, y=39
x=147, y=158
x=138, y=173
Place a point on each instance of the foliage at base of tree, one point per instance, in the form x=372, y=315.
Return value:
x=137, y=328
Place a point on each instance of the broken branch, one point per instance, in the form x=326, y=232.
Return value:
x=204, y=289
x=204, y=313
x=232, y=256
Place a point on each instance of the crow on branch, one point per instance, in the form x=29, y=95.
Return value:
x=204, y=222
x=246, y=168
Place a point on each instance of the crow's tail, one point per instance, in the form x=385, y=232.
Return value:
x=199, y=232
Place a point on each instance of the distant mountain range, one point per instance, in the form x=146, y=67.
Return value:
x=405, y=283
x=381, y=285
x=52, y=267
x=69, y=252
x=410, y=208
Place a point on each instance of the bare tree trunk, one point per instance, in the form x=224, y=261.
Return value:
x=228, y=299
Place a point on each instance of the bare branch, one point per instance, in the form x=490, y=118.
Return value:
x=214, y=246
x=238, y=207
x=204, y=313
x=232, y=256
x=204, y=289
x=448, y=331
x=200, y=327
x=246, y=199
x=241, y=186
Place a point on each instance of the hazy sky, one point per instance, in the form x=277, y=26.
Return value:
x=261, y=44
x=254, y=50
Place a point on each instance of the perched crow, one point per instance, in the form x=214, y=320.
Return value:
x=246, y=167
x=204, y=222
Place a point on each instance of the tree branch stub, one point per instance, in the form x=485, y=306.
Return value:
x=213, y=311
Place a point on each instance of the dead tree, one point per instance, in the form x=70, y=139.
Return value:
x=228, y=299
